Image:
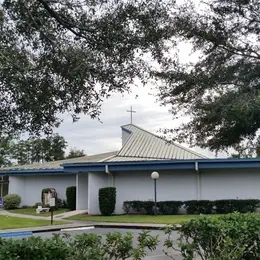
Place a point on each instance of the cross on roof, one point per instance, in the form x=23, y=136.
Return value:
x=131, y=111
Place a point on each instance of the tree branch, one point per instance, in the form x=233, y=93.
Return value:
x=61, y=21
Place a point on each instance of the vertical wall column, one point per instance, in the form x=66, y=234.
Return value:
x=82, y=191
x=198, y=175
x=95, y=182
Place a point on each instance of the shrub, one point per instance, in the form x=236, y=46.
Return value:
x=169, y=207
x=71, y=197
x=107, y=200
x=37, y=204
x=83, y=246
x=199, y=206
x=35, y=248
x=232, y=236
x=11, y=201
x=229, y=206
x=64, y=204
x=127, y=206
x=148, y=206
x=193, y=206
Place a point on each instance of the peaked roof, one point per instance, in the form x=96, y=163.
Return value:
x=140, y=145
x=143, y=145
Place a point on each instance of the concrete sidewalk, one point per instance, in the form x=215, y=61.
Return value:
x=7, y=213
x=59, y=217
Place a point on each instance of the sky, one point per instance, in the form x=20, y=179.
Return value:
x=95, y=137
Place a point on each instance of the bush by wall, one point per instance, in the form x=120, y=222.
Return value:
x=169, y=207
x=107, y=200
x=146, y=207
x=192, y=206
x=229, y=206
x=71, y=197
x=199, y=206
x=11, y=201
x=232, y=236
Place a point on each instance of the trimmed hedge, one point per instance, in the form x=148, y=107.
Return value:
x=192, y=206
x=11, y=201
x=199, y=206
x=71, y=197
x=107, y=200
x=229, y=206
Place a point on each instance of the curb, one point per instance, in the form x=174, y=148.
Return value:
x=80, y=227
x=128, y=226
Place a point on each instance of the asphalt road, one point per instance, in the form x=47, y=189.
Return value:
x=157, y=254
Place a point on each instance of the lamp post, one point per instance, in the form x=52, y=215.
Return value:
x=155, y=176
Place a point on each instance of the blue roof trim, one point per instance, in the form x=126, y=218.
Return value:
x=203, y=164
x=165, y=165
x=34, y=171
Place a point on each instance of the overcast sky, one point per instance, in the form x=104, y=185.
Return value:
x=95, y=137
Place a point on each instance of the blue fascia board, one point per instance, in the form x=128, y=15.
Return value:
x=203, y=164
x=34, y=171
x=208, y=161
x=165, y=165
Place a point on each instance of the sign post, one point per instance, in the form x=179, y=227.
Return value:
x=52, y=205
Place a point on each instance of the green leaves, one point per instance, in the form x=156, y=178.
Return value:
x=71, y=197
x=67, y=58
x=233, y=236
x=11, y=201
x=83, y=247
x=219, y=90
x=107, y=200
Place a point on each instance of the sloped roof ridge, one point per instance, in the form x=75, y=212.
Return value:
x=180, y=146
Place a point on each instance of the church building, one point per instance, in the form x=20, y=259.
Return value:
x=183, y=174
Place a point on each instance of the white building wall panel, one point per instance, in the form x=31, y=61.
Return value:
x=95, y=181
x=82, y=191
x=230, y=184
x=140, y=186
x=33, y=185
x=17, y=186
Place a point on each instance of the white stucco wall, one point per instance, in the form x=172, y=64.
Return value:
x=16, y=186
x=140, y=186
x=96, y=181
x=230, y=184
x=82, y=191
x=29, y=187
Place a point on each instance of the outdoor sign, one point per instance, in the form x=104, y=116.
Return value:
x=1, y=202
x=52, y=202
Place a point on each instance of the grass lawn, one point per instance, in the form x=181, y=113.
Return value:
x=32, y=211
x=7, y=222
x=165, y=219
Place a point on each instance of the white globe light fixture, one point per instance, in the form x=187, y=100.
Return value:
x=155, y=175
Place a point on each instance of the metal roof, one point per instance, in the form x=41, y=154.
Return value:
x=128, y=159
x=58, y=164
x=143, y=144
x=140, y=145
